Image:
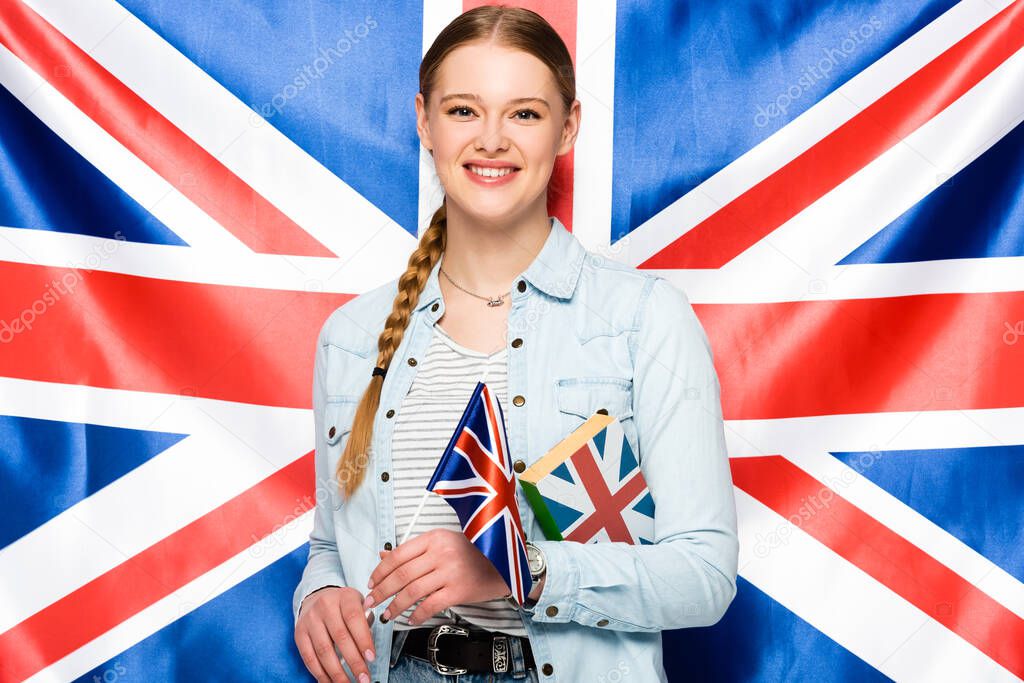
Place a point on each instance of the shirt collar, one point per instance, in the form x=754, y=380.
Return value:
x=554, y=270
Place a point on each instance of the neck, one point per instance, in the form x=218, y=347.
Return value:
x=485, y=257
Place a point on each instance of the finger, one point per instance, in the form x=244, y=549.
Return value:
x=403, y=553
x=419, y=588
x=398, y=579
x=337, y=625
x=309, y=657
x=359, y=628
x=434, y=603
x=323, y=647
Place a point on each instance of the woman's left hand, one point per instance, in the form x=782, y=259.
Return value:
x=440, y=565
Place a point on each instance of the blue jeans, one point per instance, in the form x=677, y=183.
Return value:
x=406, y=669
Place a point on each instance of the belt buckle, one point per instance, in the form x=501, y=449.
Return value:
x=437, y=632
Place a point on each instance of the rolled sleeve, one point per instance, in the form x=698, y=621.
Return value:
x=561, y=583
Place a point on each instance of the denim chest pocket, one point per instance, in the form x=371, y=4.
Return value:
x=579, y=398
x=348, y=369
x=337, y=425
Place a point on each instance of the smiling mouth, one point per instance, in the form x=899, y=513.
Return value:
x=491, y=172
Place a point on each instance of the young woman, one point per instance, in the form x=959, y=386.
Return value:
x=500, y=291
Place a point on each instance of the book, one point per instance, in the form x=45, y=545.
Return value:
x=589, y=487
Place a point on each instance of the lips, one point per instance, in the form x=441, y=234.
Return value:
x=490, y=171
x=490, y=176
x=490, y=163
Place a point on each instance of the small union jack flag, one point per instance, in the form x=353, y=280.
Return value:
x=475, y=476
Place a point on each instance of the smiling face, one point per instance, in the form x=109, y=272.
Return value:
x=495, y=123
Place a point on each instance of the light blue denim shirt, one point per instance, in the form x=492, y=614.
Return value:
x=584, y=333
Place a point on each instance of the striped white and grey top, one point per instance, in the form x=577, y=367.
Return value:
x=429, y=414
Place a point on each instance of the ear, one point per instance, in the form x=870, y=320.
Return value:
x=570, y=130
x=422, y=125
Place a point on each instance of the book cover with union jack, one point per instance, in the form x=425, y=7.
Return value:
x=590, y=487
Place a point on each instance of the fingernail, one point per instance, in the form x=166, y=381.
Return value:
x=363, y=678
x=369, y=584
x=368, y=602
x=387, y=614
x=369, y=655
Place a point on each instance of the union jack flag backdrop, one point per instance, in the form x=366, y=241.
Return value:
x=190, y=188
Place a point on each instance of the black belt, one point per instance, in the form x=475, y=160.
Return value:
x=454, y=649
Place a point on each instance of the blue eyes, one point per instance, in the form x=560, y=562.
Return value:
x=532, y=113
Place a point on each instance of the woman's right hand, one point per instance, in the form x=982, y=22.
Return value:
x=334, y=616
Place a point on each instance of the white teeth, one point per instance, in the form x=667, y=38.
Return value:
x=490, y=172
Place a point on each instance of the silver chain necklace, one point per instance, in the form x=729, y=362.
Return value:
x=491, y=301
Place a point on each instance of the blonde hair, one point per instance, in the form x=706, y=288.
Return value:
x=512, y=27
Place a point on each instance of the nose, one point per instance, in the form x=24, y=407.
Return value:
x=492, y=137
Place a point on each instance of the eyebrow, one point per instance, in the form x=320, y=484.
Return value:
x=476, y=98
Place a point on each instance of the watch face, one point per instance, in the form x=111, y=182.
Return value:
x=533, y=557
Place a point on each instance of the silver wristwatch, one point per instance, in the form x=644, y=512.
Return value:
x=535, y=557
x=538, y=565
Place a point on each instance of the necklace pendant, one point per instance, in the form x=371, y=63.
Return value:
x=496, y=302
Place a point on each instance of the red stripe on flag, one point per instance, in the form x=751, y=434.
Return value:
x=463, y=491
x=608, y=506
x=501, y=482
x=763, y=208
x=147, y=134
x=497, y=430
x=774, y=360
x=909, y=353
x=860, y=539
x=562, y=17
x=120, y=331
x=156, y=572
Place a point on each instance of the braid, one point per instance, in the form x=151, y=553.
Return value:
x=352, y=464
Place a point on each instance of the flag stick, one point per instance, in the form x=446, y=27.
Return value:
x=415, y=516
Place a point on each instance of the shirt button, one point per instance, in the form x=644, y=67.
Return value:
x=390, y=413
x=551, y=611
x=547, y=669
x=519, y=465
x=522, y=286
x=331, y=432
x=387, y=545
x=412, y=361
x=384, y=476
x=434, y=307
x=603, y=622
x=603, y=411
x=517, y=342
x=518, y=400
